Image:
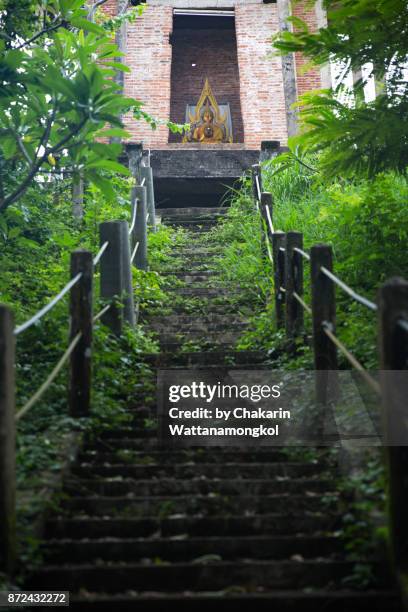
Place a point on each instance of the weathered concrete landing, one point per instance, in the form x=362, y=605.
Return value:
x=195, y=176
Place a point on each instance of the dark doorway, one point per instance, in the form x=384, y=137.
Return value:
x=204, y=46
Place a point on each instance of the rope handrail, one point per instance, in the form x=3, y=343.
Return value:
x=133, y=223
x=302, y=303
x=356, y=296
x=101, y=313
x=56, y=370
x=351, y=359
x=24, y=326
x=134, y=252
x=302, y=253
x=403, y=324
x=282, y=249
x=99, y=254
x=143, y=182
x=282, y=289
x=269, y=219
x=258, y=187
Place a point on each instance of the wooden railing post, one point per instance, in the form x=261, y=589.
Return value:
x=116, y=275
x=323, y=313
x=80, y=367
x=135, y=153
x=7, y=442
x=111, y=274
x=293, y=284
x=147, y=174
x=140, y=233
x=279, y=243
x=393, y=344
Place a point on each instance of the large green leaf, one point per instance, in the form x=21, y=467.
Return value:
x=108, y=164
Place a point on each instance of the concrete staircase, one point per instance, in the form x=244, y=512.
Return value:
x=142, y=528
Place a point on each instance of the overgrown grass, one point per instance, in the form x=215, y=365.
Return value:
x=37, y=236
x=365, y=222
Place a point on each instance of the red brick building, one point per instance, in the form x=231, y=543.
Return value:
x=177, y=44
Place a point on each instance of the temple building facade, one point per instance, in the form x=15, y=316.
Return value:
x=211, y=64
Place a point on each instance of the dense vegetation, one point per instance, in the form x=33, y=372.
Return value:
x=365, y=221
x=58, y=98
x=37, y=236
x=363, y=137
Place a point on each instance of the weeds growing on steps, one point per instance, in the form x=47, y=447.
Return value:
x=37, y=236
x=366, y=222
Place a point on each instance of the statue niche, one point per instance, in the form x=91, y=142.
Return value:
x=208, y=125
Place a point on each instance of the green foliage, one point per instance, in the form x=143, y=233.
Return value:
x=366, y=138
x=60, y=97
x=58, y=94
x=366, y=224
x=241, y=261
x=363, y=527
x=37, y=235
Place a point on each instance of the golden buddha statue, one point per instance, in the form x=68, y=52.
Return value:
x=208, y=131
x=207, y=125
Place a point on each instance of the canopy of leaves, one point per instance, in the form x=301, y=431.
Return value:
x=371, y=137
x=58, y=96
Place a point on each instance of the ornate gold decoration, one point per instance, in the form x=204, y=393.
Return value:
x=208, y=125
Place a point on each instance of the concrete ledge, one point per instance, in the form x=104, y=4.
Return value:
x=192, y=176
x=202, y=163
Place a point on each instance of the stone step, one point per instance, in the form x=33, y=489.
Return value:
x=233, y=599
x=207, y=306
x=191, y=470
x=195, y=342
x=206, y=292
x=111, y=487
x=192, y=211
x=130, y=432
x=115, y=578
x=181, y=548
x=206, y=256
x=213, y=358
x=194, y=229
x=191, y=224
x=197, y=326
x=202, y=455
x=193, y=277
x=265, y=524
x=210, y=504
x=194, y=265
x=172, y=341
x=148, y=444
x=214, y=320
x=205, y=251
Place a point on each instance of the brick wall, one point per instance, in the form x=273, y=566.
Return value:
x=307, y=78
x=149, y=58
x=261, y=83
x=215, y=54
x=110, y=7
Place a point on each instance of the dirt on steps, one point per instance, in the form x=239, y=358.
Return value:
x=144, y=528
